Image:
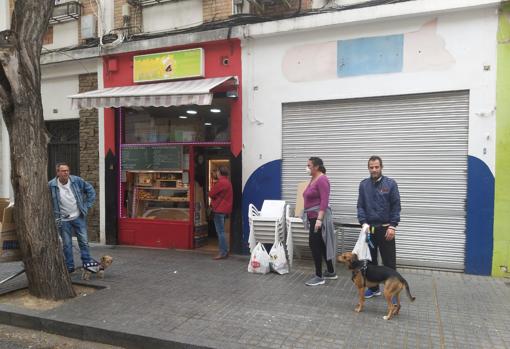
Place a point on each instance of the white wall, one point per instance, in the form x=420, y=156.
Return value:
x=59, y=81
x=333, y=3
x=54, y=94
x=64, y=35
x=102, y=193
x=108, y=16
x=287, y=68
x=4, y=15
x=5, y=161
x=172, y=15
x=5, y=187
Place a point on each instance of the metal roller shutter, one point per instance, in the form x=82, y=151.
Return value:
x=423, y=141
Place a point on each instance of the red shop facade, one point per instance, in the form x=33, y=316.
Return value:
x=171, y=117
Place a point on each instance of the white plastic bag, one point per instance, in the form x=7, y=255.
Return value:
x=259, y=260
x=278, y=259
x=361, y=248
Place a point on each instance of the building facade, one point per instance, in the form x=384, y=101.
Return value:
x=421, y=84
x=417, y=88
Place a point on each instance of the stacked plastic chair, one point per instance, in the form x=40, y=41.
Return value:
x=297, y=235
x=268, y=224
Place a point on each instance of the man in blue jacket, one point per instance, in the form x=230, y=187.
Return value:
x=72, y=197
x=379, y=213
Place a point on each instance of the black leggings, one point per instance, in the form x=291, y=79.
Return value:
x=318, y=248
x=387, y=249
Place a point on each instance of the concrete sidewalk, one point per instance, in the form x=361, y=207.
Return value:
x=172, y=299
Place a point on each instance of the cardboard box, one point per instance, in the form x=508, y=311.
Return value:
x=9, y=244
x=4, y=202
x=300, y=203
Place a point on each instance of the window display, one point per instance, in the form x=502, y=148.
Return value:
x=156, y=182
x=158, y=195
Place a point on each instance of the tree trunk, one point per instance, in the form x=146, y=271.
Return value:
x=20, y=100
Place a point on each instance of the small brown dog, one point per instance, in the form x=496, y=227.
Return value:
x=368, y=275
x=104, y=263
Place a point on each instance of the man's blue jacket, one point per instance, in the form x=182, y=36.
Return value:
x=379, y=202
x=79, y=188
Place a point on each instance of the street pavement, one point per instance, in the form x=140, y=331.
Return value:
x=21, y=338
x=183, y=299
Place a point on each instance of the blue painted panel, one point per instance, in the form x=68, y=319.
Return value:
x=379, y=55
x=480, y=218
x=265, y=183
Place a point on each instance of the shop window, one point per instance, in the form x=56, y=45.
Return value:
x=156, y=182
x=177, y=124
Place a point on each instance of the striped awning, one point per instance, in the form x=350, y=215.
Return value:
x=164, y=94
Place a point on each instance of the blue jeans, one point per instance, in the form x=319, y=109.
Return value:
x=66, y=233
x=219, y=224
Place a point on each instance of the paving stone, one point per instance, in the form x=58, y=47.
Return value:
x=184, y=297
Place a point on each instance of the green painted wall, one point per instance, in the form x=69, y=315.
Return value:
x=502, y=199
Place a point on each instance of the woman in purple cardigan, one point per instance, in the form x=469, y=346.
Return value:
x=320, y=223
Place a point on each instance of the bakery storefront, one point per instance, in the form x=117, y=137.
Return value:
x=171, y=117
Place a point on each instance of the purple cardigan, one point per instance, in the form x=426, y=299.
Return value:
x=317, y=194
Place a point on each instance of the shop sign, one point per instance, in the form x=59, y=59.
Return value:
x=169, y=65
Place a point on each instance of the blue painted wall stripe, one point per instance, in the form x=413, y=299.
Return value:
x=480, y=218
x=378, y=55
x=265, y=183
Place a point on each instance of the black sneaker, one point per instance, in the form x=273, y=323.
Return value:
x=329, y=276
x=315, y=281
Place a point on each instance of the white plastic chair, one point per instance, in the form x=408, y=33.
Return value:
x=268, y=224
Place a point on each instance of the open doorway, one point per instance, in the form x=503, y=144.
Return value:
x=206, y=160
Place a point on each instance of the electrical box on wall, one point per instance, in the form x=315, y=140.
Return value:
x=88, y=27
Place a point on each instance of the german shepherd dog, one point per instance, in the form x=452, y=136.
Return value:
x=372, y=276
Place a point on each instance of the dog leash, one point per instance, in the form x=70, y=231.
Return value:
x=363, y=270
x=368, y=239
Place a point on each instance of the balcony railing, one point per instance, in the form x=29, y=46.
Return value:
x=64, y=12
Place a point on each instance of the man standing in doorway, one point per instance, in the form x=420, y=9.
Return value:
x=379, y=213
x=221, y=205
x=72, y=197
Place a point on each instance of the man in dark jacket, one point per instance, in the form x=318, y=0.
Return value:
x=379, y=213
x=221, y=205
x=72, y=197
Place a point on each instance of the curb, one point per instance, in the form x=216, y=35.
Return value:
x=89, y=333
